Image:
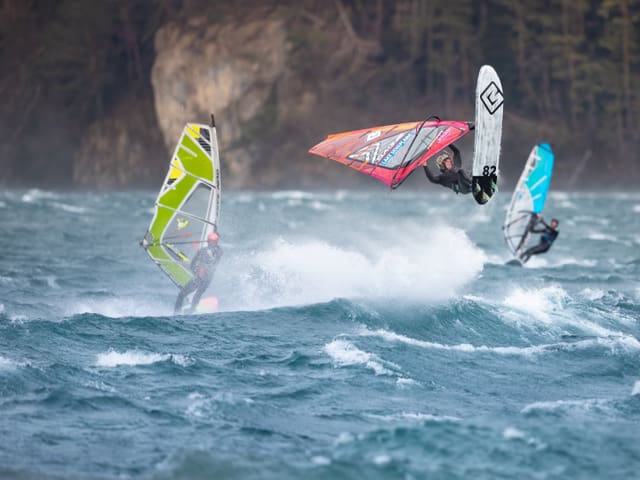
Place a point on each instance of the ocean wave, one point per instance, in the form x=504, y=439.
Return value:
x=291, y=194
x=35, y=195
x=580, y=262
x=556, y=262
x=200, y=405
x=320, y=460
x=70, y=208
x=9, y=364
x=552, y=307
x=567, y=406
x=624, y=342
x=557, y=195
x=136, y=357
x=116, y=308
x=344, y=353
x=636, y=389
x=538, y=303
x=592, y=294
x=320, y=206
x=512, y=433
x=598, y=236
x=415, y=417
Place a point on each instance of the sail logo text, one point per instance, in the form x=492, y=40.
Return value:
x=401, y=143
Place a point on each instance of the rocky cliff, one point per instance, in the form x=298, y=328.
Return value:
x=274, y=82
x=229, y=69
x=122, y=149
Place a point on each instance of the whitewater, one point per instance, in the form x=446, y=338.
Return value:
x=371, y=334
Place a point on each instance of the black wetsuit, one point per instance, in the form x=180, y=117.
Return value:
x=203, y=266
x=456, y=179
x=549, y=234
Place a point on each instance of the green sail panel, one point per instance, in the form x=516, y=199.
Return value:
x=188, y=204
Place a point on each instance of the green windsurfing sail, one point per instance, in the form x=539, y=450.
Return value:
x=188, y=205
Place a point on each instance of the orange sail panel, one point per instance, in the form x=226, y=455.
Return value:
x=392, y=152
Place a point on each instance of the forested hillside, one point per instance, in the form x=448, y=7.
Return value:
x=92, y=91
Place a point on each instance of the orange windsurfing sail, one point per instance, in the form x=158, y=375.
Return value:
x=392, y=152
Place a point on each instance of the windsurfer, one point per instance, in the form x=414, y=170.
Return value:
x=549, y=234
x=451, y=175
x=203, y=266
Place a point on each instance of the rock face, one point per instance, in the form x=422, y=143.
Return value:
x=229, y=69
x=122, y=149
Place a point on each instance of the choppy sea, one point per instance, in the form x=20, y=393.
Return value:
x=361, y=335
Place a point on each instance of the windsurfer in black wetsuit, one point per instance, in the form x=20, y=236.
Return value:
x=549, y=234
x=203, y=266
x=452, y=175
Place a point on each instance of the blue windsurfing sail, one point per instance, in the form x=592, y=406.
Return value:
x=528, y=198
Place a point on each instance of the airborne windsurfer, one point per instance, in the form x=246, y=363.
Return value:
x=549, y=234
x=203, y=266
x=451, y=175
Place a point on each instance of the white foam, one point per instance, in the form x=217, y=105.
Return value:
x=461, y=347
x=538, y=303
x=405, y=382
x=626, y=342
x=320, y=206
x=136, y=357
x=101, y=386
x=181, y=360
x=8, y=364
x=512, y=433
x=291, y=195
x=18, y=318
x=117, y=308
x=541, y=261
x=197, y=402
x=636, y=389
x=566, y=204
x=581, y=262
x=35, y=195
x=320, y=460
x=412, y=267
x=415, y=417
x=565, y=405
x=636, y=208
x=70, y=208
x=344, y=353
x=198, y=405
x=344, y=437
x=556, y=195
x=602, y=237
x=592, y=294
x=381, y=459
x=547, y=306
